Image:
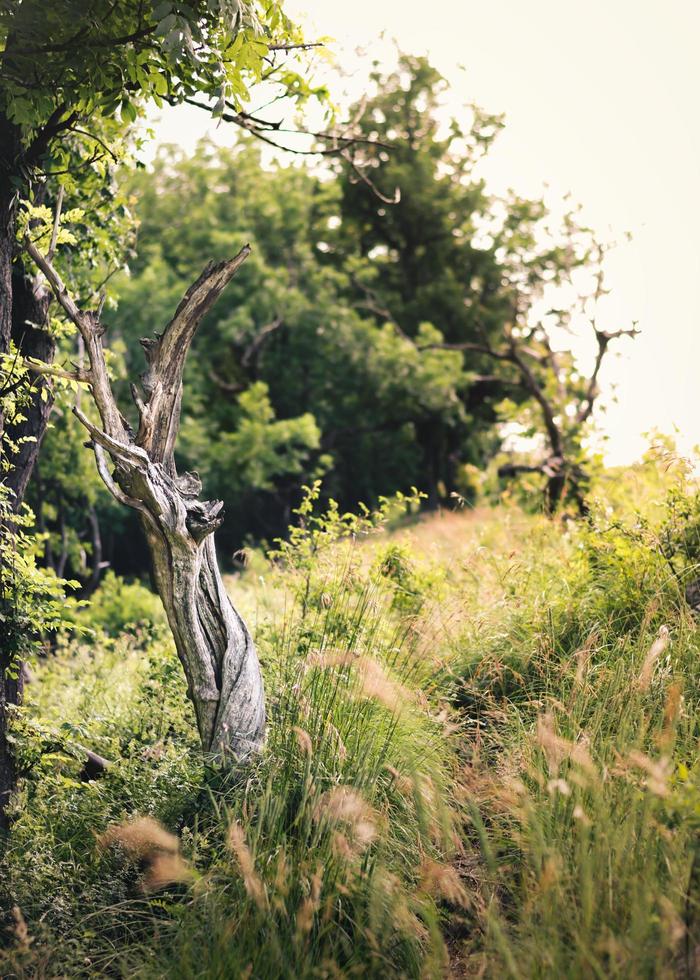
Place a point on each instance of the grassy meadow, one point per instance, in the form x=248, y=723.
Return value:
x=481, y=760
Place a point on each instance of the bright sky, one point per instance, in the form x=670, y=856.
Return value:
x=601, y=100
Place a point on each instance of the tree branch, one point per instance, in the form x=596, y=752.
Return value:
x=53, y=371
x=166, y=355
x=123, y=452
x=56, y=223
x=114, y=488
x=259, y=339
x=604, y=338
x=91, y=331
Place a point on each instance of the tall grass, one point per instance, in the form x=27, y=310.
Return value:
x=583, y=792
x=326, y=856
x=482, y=760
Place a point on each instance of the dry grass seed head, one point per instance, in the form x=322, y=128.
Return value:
x=656, y=649
x=19, y=928
x=443, y=881
x=658, y=772
x=557, y=749
x=139, y=837
x=340, y=846
x=403, y=784
x=310, y=905
x=583, y=658
x=164, y=870
x=330, y=658
x=344, y=805
x=374, y=682
x=144, y=839
x=304, y=740
x=672, y=710
x=252, y=881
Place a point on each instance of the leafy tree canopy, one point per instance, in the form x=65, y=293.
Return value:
x=75, y=60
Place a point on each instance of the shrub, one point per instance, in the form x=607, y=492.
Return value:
x=118, y=606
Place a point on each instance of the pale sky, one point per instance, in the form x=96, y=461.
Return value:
x=601, y=100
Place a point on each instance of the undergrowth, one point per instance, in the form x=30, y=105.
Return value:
x=481, y=760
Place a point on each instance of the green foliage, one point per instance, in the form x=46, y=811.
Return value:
x=680, y=532
x=260, y=455
x=322, y=856
x=118, y=607
x=95, y=60
x=482, y=756
x=32, y=599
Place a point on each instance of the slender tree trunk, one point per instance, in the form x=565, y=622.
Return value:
x=96, y=563
x=60, y=565
x=24, y=310
x=8, y=217
x=30, y=307
x=10, y=695
x=554, y=492
x=10, y=689
x=213, y=643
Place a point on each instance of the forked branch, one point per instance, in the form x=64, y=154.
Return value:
x=212, y=641
x=166, y=354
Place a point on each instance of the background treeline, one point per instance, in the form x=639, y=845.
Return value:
x=342, y=350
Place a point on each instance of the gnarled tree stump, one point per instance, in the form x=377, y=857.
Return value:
x=212, y=641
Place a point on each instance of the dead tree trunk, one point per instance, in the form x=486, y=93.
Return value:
x=212, y=641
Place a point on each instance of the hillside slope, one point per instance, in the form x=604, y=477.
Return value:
x=482, y=760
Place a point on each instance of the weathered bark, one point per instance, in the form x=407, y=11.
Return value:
x=10, y=152
x=212, y=641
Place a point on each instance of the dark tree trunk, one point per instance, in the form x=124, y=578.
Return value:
x=23, y=314
x=10, y=696
x=554, y=492
x=10, y=689
x=9, y=154
x=30, y=306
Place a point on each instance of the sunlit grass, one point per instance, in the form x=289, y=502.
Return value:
x=481, y=759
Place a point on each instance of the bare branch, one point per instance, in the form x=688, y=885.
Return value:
x=112, y=486
x=166, y=357
x=513, y=469
x=231, y=388
x=53, y=371
x=256, y=343
x=361, y=175
x=56, y=223
x=554, y=433
x=57, y=285
x=83, y=132
x=124, y=452
x=91, y=331
x=604, y=338
x=306, y=46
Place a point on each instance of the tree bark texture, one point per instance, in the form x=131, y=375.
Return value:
x=212, y=641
